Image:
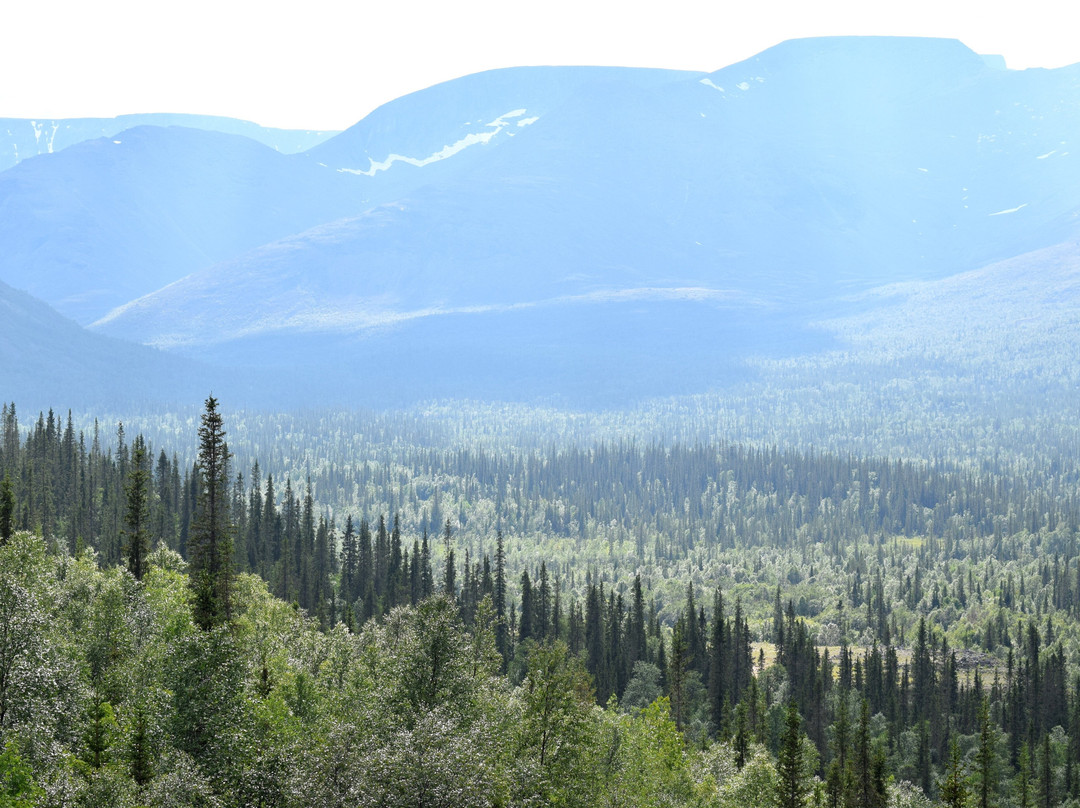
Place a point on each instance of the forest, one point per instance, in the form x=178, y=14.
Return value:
x=373, y=611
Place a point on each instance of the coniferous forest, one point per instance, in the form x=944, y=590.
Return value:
x=183, y=622
x=588, y=435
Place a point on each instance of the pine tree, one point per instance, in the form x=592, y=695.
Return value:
x=365, y=566
x=866, y=794
x=349, y=562
x=449, y=571
x=270, y=531
x=500, y=598
x=526, y=627
x=415, y=584
x=954, y=791
x=394, y=569
x=542, y=612
x=677, y=669
x=210, y=543
x=790, y=789
x=986, y=756
x=741, y=740
x=1046, y=774
x=1023, y=778
x=137, y=513
x=427, y=578
x=7, y=508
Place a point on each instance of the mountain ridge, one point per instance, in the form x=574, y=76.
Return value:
x=571, y=213
x=22, y=138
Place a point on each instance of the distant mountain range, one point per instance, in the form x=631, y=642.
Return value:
x=21, y=138
x=593, y=234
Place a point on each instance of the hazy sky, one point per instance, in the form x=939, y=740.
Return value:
x=326, y=63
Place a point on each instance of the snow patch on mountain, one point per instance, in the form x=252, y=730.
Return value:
x=450, y=150
x=1010, y=210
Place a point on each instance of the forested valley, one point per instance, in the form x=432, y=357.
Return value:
x=387, y=614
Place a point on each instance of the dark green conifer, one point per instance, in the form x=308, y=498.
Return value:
x=137, y=512
x=790, y=788
x=7, y=509
x=210, y=543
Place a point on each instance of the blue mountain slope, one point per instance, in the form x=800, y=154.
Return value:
x=565, y=229
x=422, y=124
x=47, y=360
x=21, y=138
x=107, y=220
x=816, y=169
x=451, y=130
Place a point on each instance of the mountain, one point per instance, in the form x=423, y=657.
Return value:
x=21, y=138
x=411, y=140
x=104, y=221
x=580, y=232
x=817, y=168
x=48, y=360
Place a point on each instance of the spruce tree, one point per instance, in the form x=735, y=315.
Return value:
x=500, y=598
x=427, y=579
x=790, y=791
x=449, y=571
x=954, y=792
x=526, y=627
x=986, y=757
x=210, y=542
x=137, y=513
x=677, y=669
x=349, y=562
x=7, y=509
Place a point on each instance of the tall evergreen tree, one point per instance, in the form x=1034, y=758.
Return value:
x=954, y=791
x=500, y=597
x=137, y=512
x=527, y=615
x=365, y=566
x=449, y=571
x=986, y=757
x=427, y=578
x=349, y=562
x=790, y=786
x=7, y=507
x=210, y=542
x=678, y=667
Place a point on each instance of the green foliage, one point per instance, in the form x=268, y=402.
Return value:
x=791, y=785
x=947, y=595
x=754, y=784
x=954, y=788
x=643, y=759
x=17, y=786
x=553, y=731
x=7, y=508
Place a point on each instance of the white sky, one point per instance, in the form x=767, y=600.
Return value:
x=326, y=63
